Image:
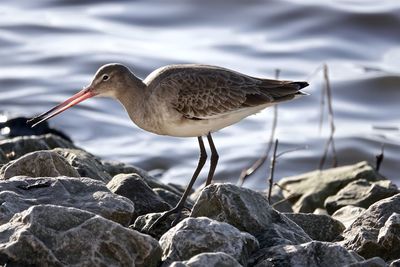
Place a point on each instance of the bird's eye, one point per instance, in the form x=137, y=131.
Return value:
x=105, y=77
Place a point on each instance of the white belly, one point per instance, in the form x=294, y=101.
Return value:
x=192, y=128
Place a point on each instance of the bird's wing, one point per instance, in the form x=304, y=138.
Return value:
x=204, y=93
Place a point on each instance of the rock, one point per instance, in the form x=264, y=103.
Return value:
x=3, y=157
x=309, y=191
x=193, y=236
x=278, y=200
x=250, y=212
x=19, y=146
x=318, y=227
x=389, y=237
x=213, y=259
x=319, y=211
x=38, y=164
x=373, y=262
x=20, y=193
x=315, y=253
x=47, y=235
x=348, y=214
x=362, y=235
x=395, y=263
x=85, y=163
x=361, y=193
x=171, y=198
x=114, y=167
x=143, y=223
x=133, y=187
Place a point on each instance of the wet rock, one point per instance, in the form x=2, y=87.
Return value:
x=315, y=253
x=18, y=126
x=44, y=163
x=389, y=237
x=132, y=186
x=20, y=193
x=143, y=223
x=250, y=212
x=193, y=236
x=308, y=191
x=19, y=146
x=361, y=193
x=85, y=163
x=395, y=263
x=348, y=214
x=48, y=235
x=213, y=259
x=362, y=235
x=373, y=262
x=318, y=227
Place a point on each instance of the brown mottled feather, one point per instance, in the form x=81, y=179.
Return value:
x=204, y=91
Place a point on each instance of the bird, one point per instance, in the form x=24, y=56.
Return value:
x=184, y=100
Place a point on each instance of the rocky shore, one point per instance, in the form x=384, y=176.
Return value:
x=62, y=206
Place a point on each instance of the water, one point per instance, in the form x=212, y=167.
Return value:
x=51, y=49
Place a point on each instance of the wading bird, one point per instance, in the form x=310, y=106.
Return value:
x=188, y=100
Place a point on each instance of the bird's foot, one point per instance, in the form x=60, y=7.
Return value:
x=176, y=210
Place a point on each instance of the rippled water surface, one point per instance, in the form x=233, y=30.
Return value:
x=51, y=49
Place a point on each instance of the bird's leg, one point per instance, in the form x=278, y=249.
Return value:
x=178, y=208
x=213, y=160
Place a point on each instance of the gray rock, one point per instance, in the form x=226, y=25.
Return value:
x=3, y=157
x=38, y=164
x=389, y=237
x=308, y=191
x=85, y=163
x=132, y=186
x=114, y=167
x=348, y=214
x=250, y=212
x=361, y=193
x=143, y=223
x=48, y=235
x=19, y=146
x=171, y=198
x=373, y=262
x=278, y=200
x=20, y=193
x=318, y=227
x=193, y=236
x=312, y=254
x=362, y=235
x=319, y=211
x=213, y=259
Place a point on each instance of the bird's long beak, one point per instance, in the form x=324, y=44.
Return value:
x=72, y=101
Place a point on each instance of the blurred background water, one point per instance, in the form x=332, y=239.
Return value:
x=50, y=49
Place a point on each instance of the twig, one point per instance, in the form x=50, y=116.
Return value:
x=379, y=158
x=330, y=142
x=272, y=171
x=259, y=162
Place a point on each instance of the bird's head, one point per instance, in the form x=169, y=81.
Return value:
x=109, y=81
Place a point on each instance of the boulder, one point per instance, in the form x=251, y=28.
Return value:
x=395, y=263
x=193, y=236
x=20, y=193
x=143, y=223
x=250, y=212
x=308, y=191
x=133, y=187
x=389, y=237
x=318, y=227
x=45, y=163
x=171, y=198
x=85, y=163
x=372, y=262
x=19, y=146
x=361, y=193
x=115, y=167
x=211, y=259
x=48, y=235
x=348, y=214
x=311, y=254
x=372, y=233
x=3, y=157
